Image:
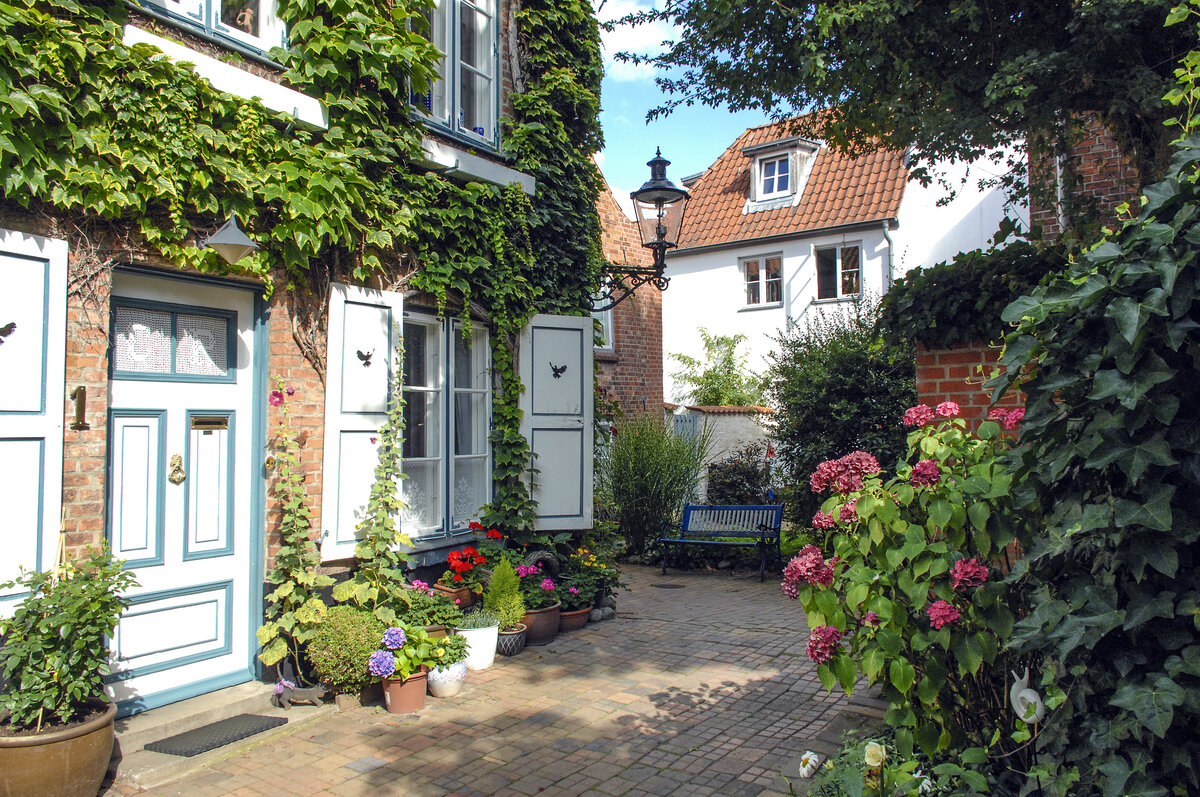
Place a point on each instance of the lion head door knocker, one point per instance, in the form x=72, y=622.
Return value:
x=176, y=474
x=365, y=358
x=558, y=370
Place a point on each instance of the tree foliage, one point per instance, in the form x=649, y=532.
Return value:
x=836, y=388
x=1111, y=457
x=721, y=378
x=949, y=81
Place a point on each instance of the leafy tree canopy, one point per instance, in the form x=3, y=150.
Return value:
x=950, y=81
x=721, y=379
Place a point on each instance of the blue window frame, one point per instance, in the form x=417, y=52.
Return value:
x=465, y=98
x=157, y=341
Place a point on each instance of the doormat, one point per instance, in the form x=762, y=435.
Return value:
x=218, y=734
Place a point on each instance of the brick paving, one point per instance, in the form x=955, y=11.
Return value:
x=699, y=690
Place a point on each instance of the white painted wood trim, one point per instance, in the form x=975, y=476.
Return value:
x=460, y=163
x=305, y=109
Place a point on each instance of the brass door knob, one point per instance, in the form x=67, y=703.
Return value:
x=176, y=475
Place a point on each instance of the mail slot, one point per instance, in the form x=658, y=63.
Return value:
x=208, y=423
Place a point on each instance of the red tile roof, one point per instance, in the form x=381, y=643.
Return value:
x=840, y=190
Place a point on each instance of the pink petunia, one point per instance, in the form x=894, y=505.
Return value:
x=942, y=613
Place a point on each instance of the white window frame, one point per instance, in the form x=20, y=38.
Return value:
x=775, y=159
x=442, y=104
x=761, y=283
x=839, y=270
x=605, y=319
x=205, y=16
x=444, y=391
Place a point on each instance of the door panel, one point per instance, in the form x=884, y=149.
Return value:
x=180, y=491
x=32, y=359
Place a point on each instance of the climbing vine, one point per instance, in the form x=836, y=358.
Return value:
x=152, y=156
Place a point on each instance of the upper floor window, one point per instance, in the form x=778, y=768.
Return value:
x=464, y=97
x=764, y=279
x=604, y=337
x=774, y=175
x=839, y=272
x=249, y=22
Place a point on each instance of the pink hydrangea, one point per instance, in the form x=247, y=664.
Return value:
x=822, y=520
x=823, y=643
x=926, y=473
x=942, y=613
x=808, y=565
x=1014, y=418
x=947, y=409
x=845, y=475
x=967, y=574
x=918, y=415
x=849, y=511
x=870, y=618
x=998, y=414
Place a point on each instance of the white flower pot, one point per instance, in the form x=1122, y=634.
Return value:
x=447, y=681
x=481, y=646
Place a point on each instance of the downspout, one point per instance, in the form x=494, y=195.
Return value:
x=1060, y=194
x=887, y=274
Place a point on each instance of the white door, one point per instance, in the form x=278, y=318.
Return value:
x=179, y=504
x=33, y=304
x=556, y=369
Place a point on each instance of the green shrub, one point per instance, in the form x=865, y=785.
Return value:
x=744, y=477
x=836, y=388
x=503, y=596
x=342, y=646
x=648, y=473
x=721, y=378
x=424, y=609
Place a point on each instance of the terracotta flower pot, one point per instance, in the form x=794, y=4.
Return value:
x=541, y=625
x=404, y=695
x=461, y=595
x=574, y=620
x=512, y=641
x=437, y=631
x=61, y=763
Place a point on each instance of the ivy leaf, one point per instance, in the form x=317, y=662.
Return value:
x=1153, y=706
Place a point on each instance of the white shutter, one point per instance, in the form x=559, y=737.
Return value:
x=556, y=369
x=33, y=310
x=364, y=337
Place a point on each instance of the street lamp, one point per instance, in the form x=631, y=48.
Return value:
x=659, y=206
x=230, y=242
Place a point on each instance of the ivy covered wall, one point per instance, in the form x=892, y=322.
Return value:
x=128, y=155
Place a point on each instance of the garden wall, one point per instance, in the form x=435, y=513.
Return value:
x=958, y=374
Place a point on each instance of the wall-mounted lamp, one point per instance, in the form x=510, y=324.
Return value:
x=230, y=242
x=659, y=205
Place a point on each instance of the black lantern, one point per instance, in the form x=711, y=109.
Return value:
x=658, y=205
x=230, y=242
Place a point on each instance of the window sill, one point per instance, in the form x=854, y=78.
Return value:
x=605, y=355
x=305, y=110
x=756, y=205
x=460, y=163
x=750, y=308
x=837, y=300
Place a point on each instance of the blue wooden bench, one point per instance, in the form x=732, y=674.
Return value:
x=727, y=525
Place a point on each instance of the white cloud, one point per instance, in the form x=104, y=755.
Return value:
x=641, y=39
x=624, y=201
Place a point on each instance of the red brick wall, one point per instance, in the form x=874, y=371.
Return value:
x=1102, y=174
x=958, y=375
x=633, y=373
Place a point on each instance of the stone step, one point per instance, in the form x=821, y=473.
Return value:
x=132, y=764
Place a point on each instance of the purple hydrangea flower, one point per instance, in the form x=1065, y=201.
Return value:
x=394, y=638
x=381, y=664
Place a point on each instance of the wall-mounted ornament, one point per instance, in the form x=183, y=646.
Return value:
x=558, y=370
x=7, y=330
x=176, y=475
x=365, y=358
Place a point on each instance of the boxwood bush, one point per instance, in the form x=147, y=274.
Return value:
x=341, y=648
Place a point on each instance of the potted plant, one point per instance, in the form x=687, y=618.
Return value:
x=542, y=606
x=401, y=664
x=480, y=629
x=464, y=576
x=577, y=592
x=428, y=608
x=450, y=672
x=57, y=737
x=503, y=598
x=340, y=650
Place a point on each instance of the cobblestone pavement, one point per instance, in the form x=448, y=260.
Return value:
x=701, y=689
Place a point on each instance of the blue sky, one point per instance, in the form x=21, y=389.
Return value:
x=691, y=138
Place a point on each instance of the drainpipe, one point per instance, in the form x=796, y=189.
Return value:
x=887, y=273
x=1060, y=194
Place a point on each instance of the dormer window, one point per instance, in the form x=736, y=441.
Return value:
x=774, y=174
x=464, y=98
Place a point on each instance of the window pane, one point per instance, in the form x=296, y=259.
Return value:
x=470, y=423
x=471, y=488
x=606, y=329
x=433, y=98
x=142, y=340
x=241, y=14
x=751, y=267
x=475, y=108
x=850, y=271
x=202, y=346
x=781, y=184
x=774, y=279
x=477, y=56
x=420, y=425
x=826, y=273
x=420, y=355
x=423, y=498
